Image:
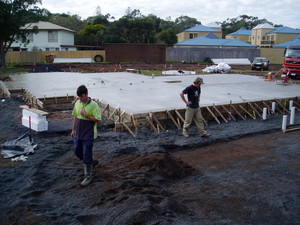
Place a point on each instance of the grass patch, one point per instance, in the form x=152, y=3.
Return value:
x=152, y=72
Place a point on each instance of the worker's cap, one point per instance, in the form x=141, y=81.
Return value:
x=198, y=80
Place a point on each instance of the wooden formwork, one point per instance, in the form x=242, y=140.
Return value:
x=4, y=93
x=162, y=120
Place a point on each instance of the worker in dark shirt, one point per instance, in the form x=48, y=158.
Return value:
x=193, y=112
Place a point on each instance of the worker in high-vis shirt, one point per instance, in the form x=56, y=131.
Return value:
x=86, y=114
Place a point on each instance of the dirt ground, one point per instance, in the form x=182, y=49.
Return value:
x=247, y=172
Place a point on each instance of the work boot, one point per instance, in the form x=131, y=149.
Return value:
x=204, y=134
x=88, y=177
x=185, y=135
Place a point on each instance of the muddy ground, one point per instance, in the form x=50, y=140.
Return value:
x=247, y=172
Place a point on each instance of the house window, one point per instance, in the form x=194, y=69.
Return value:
x=193, y=35
x=52, y=36
x=56, y=49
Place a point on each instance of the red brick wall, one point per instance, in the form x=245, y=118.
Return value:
x=150, y=53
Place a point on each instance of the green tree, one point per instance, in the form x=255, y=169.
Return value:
x=168, y=36
x=137, y=28
x=184, y=22
x=15, y=14
x=93, y=33
x=234, y=24
x=72, y=22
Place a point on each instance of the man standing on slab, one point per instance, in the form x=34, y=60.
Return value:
x=193, y=112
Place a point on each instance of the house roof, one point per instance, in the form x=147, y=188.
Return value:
x=213, y=25
x=46, y=26
x=211, y=36
x=241, y=32
x=204, y=41
x=201, y=28
x=295, y=41
x=285, y=30
x=263, y=26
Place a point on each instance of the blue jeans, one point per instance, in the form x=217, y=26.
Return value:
x=83, y=149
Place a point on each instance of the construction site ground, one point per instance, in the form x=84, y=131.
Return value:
x=247, y=172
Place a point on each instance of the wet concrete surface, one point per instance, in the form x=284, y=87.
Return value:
x=247, y=172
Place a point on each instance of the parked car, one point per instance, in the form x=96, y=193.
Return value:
x=260, y=63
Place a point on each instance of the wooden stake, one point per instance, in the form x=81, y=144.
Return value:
x=215, y=108
x=240, y=115
x=229, y=113
x=279, y=103
x=255, y=110
x=173, y=120
x=179, y=116
x=216, y=119
x=249, y=114
x=151, y=123
x=157, y=121
x=129, y=130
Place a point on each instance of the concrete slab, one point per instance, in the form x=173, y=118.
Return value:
x=139, y=94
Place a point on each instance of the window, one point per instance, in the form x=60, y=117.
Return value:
x=193, y=35
x=52, y=36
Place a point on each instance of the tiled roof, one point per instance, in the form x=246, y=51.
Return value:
x=284, y=30
x=241, y=32
x=201, y=28
x=295, y=41
x=204, y=41
x=264, y=26
x=45, y=26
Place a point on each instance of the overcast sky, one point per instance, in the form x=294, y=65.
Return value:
x=285, y=12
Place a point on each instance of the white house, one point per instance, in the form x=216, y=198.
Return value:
x=50, y=37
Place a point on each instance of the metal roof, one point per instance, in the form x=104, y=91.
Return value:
x=295, y=41
x=213, y=25
x=264, y=26
x=201, y=28
x=211, y=36
x=46, y=26
x=285, y=30
x=241, y=32
x=204, y=41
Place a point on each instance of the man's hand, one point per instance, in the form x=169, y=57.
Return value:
x=83, y=112
x=72, y=134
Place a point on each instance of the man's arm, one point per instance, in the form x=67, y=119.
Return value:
x=183, y=99
x=74, y=127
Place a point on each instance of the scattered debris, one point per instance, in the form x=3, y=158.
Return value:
x=220, y=68
x=23, y=145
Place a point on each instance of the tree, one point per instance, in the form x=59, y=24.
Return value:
x=184, y=22
x=168, y=36
x=72, y=22
x=234, y=24
x=14, y=15
x=94, y=32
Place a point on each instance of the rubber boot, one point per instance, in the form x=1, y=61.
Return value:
x=95, y=162
x=88, y=177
